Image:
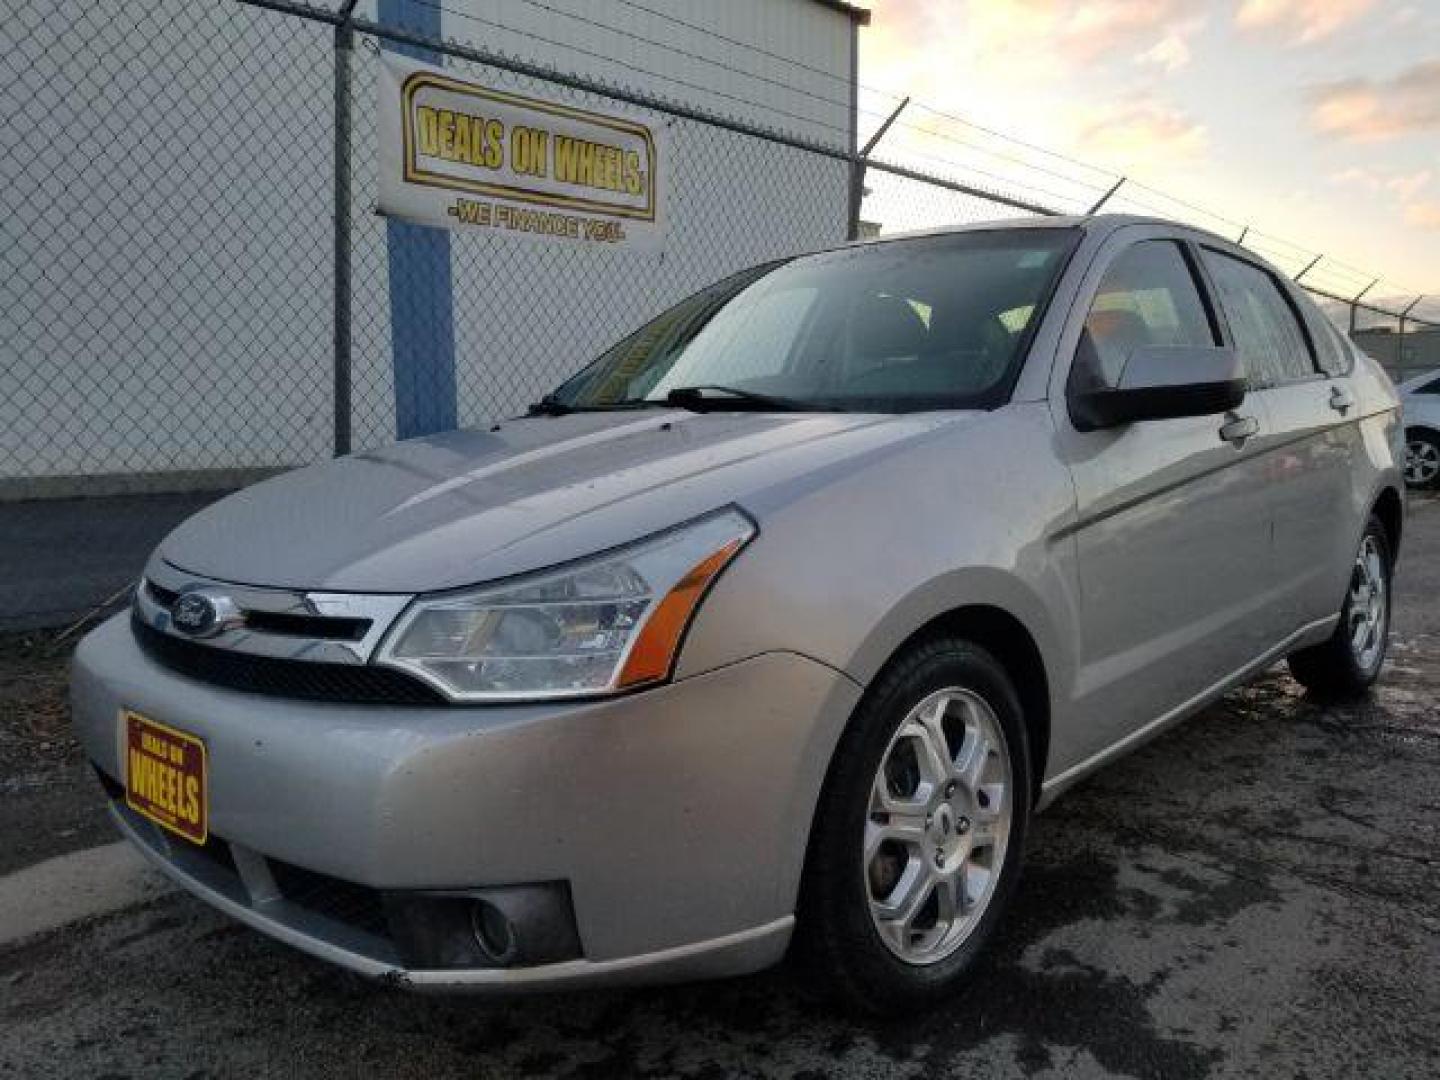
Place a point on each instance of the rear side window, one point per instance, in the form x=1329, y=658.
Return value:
x=1432, y=387
x=1268, y=336
x=1147, y=297
x=1334, y=354
x=1331, y=353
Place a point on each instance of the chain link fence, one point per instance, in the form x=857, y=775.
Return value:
x=164, y=239
x=195, y=288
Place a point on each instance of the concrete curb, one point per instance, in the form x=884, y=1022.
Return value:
x=69, y=888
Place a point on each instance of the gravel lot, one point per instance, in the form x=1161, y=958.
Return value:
x=1256, y=894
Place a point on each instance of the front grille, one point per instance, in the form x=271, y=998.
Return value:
x=302, y=679
x=354, y=905
x=325, y=627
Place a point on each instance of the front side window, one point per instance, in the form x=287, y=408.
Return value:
x=1148, y=296
x=1268, y=336
x=934, y=322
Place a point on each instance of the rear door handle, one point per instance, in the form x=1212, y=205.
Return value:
x=1237, y=429
x=1341, y=400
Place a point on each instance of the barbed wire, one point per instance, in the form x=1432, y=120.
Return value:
x=1010, y=144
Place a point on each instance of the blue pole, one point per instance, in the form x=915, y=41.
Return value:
x=422, y=302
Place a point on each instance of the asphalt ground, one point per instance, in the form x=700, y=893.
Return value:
x=60, y=559
x=1256, y=894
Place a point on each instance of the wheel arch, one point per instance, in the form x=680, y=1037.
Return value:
x=1005, y=636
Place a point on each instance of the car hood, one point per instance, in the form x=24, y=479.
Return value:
x=472, y=506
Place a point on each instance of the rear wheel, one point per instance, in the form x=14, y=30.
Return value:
x=1349, y=662
x=1422, y=459
x=917, y=840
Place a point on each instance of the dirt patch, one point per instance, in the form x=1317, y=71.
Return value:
x=49, y=801
x=34, y=714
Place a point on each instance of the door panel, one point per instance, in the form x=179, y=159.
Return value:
x=1309, y=453
x=1173, y=546
x=1311, y=444
x=1172, y=532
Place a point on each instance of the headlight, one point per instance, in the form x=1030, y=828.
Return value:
x=602, y=624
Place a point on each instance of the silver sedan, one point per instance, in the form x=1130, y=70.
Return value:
x=772, y=627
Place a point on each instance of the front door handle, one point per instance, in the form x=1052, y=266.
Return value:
x=1341, y=400
x=1237, y=429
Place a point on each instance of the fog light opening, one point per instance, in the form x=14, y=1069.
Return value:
x=494, y=933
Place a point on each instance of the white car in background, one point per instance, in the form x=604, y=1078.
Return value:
x=1421, y=402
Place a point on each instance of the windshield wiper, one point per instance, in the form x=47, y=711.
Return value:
x=549, y=405
x=694, y=398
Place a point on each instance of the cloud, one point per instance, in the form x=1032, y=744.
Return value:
x=1102, y=26
x=1143, y=129
x=1305, y=20
x=1029, y=39
x=1365, y=110
x=1405, y=185
x=1424, y=215
x=1170, y=53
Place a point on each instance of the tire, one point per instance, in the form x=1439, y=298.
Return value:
x=1347, y=665
x=1422, y=459
x=966, y=838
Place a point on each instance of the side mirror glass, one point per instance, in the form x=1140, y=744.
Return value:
x=1158, y=382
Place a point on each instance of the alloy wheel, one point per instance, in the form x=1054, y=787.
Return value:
x=939, y=823
x=1422, y=462
x=1366, y=609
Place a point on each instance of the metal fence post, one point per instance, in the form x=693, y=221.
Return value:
x=857, y=195
x=1405, y=312
x=857, y=170
x=1095, y=207
x=1308, y=267
x=344, y=51
x=1400, y=337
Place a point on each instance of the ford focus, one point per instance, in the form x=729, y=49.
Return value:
x=770, y=630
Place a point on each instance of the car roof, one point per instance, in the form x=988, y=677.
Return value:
x=1099, y=227
x=1092, y=223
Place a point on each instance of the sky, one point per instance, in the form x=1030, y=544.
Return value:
x=1316, y=121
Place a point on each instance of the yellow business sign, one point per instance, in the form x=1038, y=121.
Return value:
x=458, y=154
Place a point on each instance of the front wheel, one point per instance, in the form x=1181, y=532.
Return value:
x=1350, y=661
x=917, y=841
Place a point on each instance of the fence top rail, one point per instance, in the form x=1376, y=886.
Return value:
x=1360, y=305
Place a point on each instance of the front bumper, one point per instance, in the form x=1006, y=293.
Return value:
x=678, y=817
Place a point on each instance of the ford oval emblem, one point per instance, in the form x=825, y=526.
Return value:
x=195, y=614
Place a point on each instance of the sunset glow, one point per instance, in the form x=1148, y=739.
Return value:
x=1313, y=120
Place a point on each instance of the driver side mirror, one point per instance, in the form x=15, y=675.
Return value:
x=1160, y=382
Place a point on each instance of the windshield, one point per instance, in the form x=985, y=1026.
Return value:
x=933, y=322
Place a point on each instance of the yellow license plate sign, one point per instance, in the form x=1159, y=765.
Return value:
x=165, y=776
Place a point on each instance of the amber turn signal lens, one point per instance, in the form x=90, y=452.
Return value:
x=650, y=658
